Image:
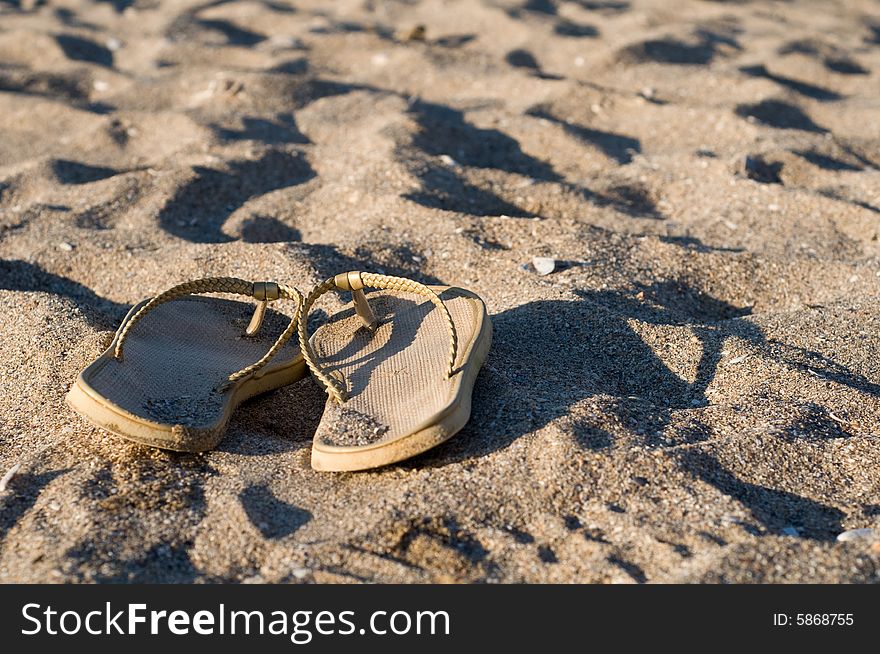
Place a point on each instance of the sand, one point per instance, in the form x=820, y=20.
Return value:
x=690, y=396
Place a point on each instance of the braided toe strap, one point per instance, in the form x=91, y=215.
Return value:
x=355, y=282
x=264, y=292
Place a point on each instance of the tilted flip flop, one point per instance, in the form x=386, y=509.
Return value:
x=188, y=364
x=398, y=384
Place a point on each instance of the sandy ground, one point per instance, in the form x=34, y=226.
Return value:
x=691, y=396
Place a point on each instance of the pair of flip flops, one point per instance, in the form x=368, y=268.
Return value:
x=399, y=368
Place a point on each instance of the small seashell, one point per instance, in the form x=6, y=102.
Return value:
x=856, y=535
x=448, y=161
x=300, y=573
x=544, y=265
x=64, y=245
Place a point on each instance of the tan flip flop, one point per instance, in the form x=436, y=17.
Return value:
x=188, y=364
x=398, y=384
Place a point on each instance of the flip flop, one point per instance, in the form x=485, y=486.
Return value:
x=398, y=384
x=188, y=364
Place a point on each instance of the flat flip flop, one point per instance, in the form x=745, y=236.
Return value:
x=399, y=383
x=188, y=364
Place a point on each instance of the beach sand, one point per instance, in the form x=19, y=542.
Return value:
x=692, y=395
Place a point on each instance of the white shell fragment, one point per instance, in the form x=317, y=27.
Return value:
x=543, y=265
x=4, y=482
x=856, y=535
